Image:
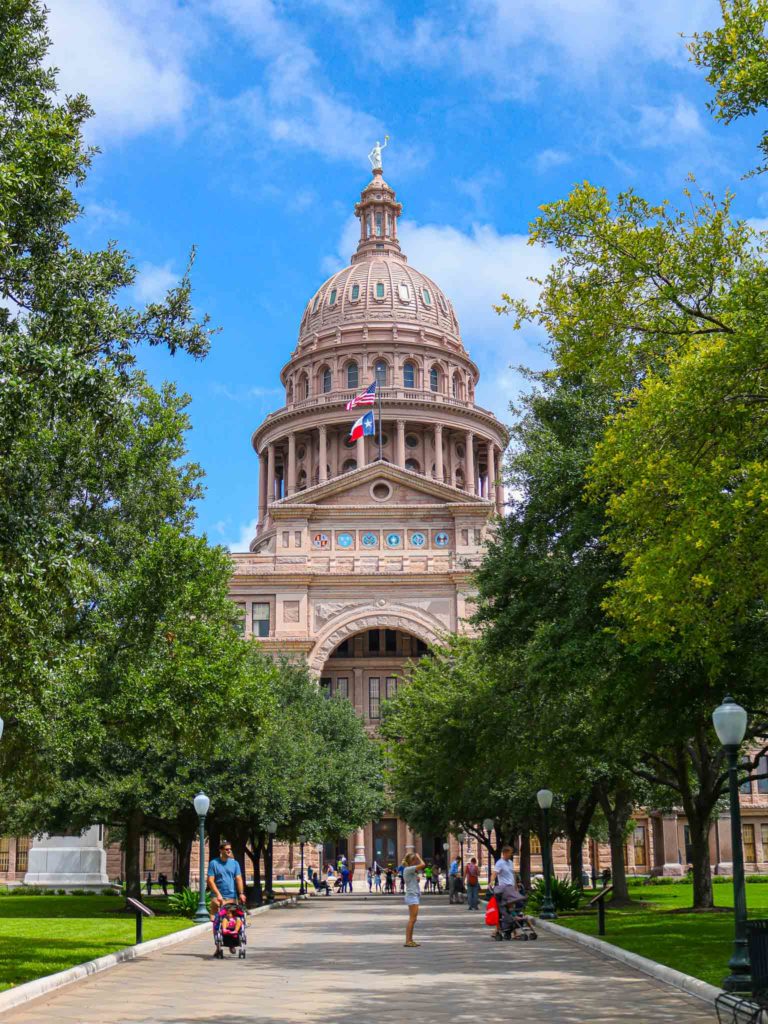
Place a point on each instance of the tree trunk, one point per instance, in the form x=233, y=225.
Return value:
x=258, y=849
x=268, y=867
x=699, y=807
x=133, y=830
x=524, y=865
x=184, y=853
x=579, y=811
x=617, y=814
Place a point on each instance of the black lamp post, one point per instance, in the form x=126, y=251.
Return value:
x=488, y=824
x=446, y=847
x=271, y=829
x=463, y=838
x=302, y=887
x=544, y=798
x=202, y=803
x=730, y=721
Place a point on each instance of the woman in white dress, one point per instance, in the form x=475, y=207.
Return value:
x=412, y=864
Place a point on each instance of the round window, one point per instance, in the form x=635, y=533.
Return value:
x=344, y=540
x=393, y=540
x=381, y=490
x=384, y=439
x=411, y=440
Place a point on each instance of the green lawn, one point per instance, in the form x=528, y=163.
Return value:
x=659, y=927
x=44, y=934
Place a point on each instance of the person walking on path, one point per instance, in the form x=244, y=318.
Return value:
x=225, y=879
x=369, y=879
x=472, y=882
x=412, y=864
x=506, y=885
x=453, y=877
x=149, y=883
x=162, y=881
x=377, y=878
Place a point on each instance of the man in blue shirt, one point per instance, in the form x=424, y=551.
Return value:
x=225, y=879
x=453, y=878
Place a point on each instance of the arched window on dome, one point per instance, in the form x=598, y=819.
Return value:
x=413, y=465
x=460, y=479
x=381, y=373
x=332, y=297
x=354, y=293
x=316, y=303
x=353, y=377
x=289, y=392
x=349, y=465
x=434, y=379
x=327, y=380
x=457, y=389
x=409, y=375
x=379, y=290
x=379, y=227
x=404, y=292
x=303, y=387
x=301, y=482
x=427, y=296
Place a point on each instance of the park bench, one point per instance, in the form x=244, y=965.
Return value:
x=738, y=1008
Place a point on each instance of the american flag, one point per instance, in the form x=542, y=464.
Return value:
x=368, y=397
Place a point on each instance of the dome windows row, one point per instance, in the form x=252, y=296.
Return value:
x=379, y=292
x=461, y=387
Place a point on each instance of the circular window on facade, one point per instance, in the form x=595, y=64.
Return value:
x=370, y=540
x=301, y=451
x=345, y=540
x=418, y=539
x=411, y=440
x=460, y=450
x=393, y=540
x=320, y=540
x=381, y=491
x=442, y=539
x=384, y=439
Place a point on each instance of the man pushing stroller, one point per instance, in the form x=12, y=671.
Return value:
x=513, y=922
x=225, y=881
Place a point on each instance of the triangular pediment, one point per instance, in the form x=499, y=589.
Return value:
x=360, y=486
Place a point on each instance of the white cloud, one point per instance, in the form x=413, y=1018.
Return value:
x=669, y=125
x=247, y=533
x=233, y=395
x=547, y=159
x=153, y=282
x=128, y=57
x=758, y=223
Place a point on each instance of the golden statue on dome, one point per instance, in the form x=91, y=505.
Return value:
x=375, y=155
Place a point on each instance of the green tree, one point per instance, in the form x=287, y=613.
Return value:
x=736, y=56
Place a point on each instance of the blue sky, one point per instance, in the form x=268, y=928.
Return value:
x=242, y=127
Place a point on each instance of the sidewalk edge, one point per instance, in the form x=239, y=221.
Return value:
x=30, y=990
x=668, y=975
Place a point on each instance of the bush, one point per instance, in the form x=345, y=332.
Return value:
x=110, y=891
x=566, y=895
x=186, y=901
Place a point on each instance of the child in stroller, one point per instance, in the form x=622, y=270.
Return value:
x=229, y=930
x=514, y=923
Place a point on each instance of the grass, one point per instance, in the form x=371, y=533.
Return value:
x=661, y=926
x=41, y=935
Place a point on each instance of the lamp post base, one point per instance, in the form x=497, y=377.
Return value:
x=548, y=912
x=740, y=978
x=201, y=916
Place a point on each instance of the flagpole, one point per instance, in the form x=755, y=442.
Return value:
x=378, y=391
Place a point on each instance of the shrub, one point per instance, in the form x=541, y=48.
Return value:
x=186, y=901
x=566, y=895
x=110, y=891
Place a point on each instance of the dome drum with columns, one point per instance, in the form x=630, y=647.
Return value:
x=361, y=563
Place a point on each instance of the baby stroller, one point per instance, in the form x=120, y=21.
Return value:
x=514, y=922
x=235, y=943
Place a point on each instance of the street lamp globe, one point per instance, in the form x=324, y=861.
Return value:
x=202, y=803
x=488, y=824
x=271, y=827
x=302, y=839
x=2, y=726
x=545, y=797
x=730, y=721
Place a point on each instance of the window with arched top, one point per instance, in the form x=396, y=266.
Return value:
x=349, y=465
x=460, y=479
x=413, y=465
x=332, y=297
x=301, y=482
x=379, y=224
x=427, y=297
x=434, y=379
x=327, y=380
x=403, y=292
x=381, y=373
x=409, y=375
x=353, y=376
x=379, y=291
x=354, y=293
x=303, y=387
x=316, y=303
x=289, y=391
x=457, y=391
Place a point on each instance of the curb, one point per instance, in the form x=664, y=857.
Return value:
x=668, y=975
x=51, y=982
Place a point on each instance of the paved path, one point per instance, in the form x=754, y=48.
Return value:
x=344, y=963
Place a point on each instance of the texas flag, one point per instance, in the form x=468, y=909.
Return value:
x=364, y=427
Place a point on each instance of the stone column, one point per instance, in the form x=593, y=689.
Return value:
x=359, y=847
x=360, y=452
x=439, y=451
x=499, y=484
x=491, y=470
x=270, y=473
x=410, y=840
x=262, y=488
x=322, y=430
x=469, y=462
x=401, y=443
x=291, y=463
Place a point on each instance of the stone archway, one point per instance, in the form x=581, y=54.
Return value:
x=411, y=620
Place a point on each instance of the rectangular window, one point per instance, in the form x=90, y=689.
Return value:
x=378, y=224
x=326, y=686
x=286, y=538
x=355, y=292
x=390, y=641
x=762, y=769
x=379, y=289
x=640, y=846
x=764, y=840
x=297, y=539
x=535, y=843
x=373, y=697
x=465, y=537
x=391, y=687
x=5, y=846
x=22, y=854
x=748, y=842
x=342, y=687
x=150, y=852
x=240, y=605
x=374, y=638
x=260, y=619
x=478, y=537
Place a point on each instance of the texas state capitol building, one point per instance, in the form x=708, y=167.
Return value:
x=361, y=563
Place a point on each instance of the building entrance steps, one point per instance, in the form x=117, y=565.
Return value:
x=343, y=962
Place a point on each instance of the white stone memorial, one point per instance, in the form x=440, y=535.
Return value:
x=68, y=862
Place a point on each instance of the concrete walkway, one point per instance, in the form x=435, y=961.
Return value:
x=344, y=963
